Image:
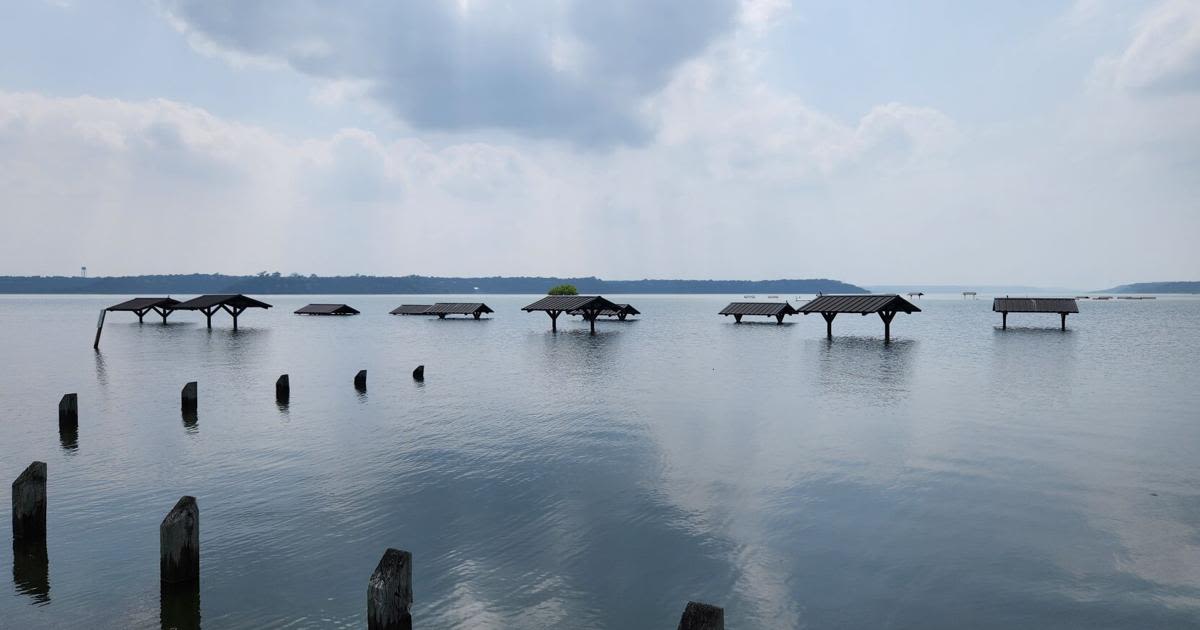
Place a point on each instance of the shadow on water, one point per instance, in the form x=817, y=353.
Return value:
x=191, y=421
x=858, y=366
x=69, y=439
x=31, y=571
x=179, y=606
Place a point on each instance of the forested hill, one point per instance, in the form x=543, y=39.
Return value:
x=274, y=283
x=1158, y=287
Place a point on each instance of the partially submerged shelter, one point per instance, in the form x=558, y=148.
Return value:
x=411, y=309
x=886, y=306
x=208, y=304
x=589, y=306
x=1006, y=305
x=327, y=309
x=442, y=309
x=622, y=312
x=763, y=309
x=140, y=306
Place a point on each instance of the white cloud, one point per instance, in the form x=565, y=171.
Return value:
x=1164, y=54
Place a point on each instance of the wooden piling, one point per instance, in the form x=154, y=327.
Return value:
x=68, y=412
x=697, y=616
x=419, y=373
x=360, y=380
x=179, y=543
x=190, y=397
x=99, y=329
x=389, y=592
x=29, y=504
x=283, y=389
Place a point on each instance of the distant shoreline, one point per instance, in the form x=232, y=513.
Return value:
x=278, y=284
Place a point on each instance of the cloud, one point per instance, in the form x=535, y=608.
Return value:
x=576, y=70
x=1164, y=54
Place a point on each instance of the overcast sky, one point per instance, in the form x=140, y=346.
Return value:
x=1045, y=143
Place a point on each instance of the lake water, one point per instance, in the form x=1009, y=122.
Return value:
x=960, y=477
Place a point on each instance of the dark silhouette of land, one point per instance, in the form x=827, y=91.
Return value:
x=1158, y=287
x=275, y=283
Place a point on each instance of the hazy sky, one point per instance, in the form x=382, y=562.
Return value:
x=1048, y=143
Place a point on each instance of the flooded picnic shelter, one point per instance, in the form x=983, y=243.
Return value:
x=411, y=309
x=758, y=309
x=233, y=304
x=588, y=306
x=442, y=309
x=1006, y=305
x=886, y=306
x=327, y=309
x=142, y=305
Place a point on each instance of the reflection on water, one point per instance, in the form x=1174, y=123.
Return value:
x=179, y=606
x=191, y=421
x=31, y=571
x=68, y=438
x=537, y=477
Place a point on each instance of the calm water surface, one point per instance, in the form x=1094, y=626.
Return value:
x=960, y=477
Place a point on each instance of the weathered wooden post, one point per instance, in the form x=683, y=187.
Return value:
x=29, y=505
x=68, y=412
x=190, y=397
x=283, y=390
x=99, y=329
x=1064, y=320
x=1003, y=320
x=419, y=373
x=829, y=324
x=360, y=380
x=389, y=592
x=697, y=616
x=179, y=543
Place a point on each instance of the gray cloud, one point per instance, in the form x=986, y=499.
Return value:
x=578, y=70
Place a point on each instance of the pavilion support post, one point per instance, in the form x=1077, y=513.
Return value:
x=99, y=329
x=360, y=381
x=887, y=316
x=779, y=318
x=829, y=324
x=162, y=312
x=590, y=315
x=737, y=318
x=476, y=314
x=621, y=316
x=1003, y=320
x=68, y=412
x=190, y=397
x=140, y=314
x=697, y=616
x=1064, y=320
x=179, y=543
x=29, y=505
x=441, y=316
x=553, y=320
x=208, y=313
x=283, y=389
x=389, y=592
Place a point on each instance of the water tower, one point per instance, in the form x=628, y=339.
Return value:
x=83, y=272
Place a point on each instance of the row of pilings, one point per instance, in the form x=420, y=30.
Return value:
x=389, y=588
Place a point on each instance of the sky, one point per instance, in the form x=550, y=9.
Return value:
x=935, y=141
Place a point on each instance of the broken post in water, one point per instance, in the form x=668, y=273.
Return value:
x=283, y=390
x=419, y=373
x=360, y=380
x=190, y=397
x=29, y=505
x=389, y=592
x=68, y=412
x=697, y=616
x=179, y=543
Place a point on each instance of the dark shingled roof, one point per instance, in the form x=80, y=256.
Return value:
x=1035, y=305
x=858, y=304
x=410, y=309
x=457, y=308
x=769, y=309
x=571, y=303
x=327, y=309
x=621, y=309
x=143, y=303
x=209, y=301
